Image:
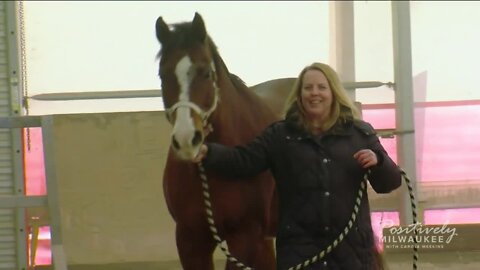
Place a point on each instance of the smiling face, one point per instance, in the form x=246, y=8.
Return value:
x=316, y=96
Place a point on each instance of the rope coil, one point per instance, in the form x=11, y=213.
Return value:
x=222, y=244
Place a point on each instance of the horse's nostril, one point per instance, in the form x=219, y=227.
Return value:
x=175, y=144
x=197, y=138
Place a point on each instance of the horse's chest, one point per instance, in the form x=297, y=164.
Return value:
x=230, y=198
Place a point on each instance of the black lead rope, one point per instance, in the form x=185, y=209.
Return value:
x=222, y=244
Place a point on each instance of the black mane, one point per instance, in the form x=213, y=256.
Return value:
x=182, y=37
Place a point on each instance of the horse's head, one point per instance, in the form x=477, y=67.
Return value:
x=188, y=79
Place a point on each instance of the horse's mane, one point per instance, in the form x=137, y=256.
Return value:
x=181, y=37
x=237, y=81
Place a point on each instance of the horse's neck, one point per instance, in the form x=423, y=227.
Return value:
x=240, y=114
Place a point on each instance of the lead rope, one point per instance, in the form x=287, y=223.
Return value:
x=339, y=239
x=211, y=222
x=363, y=185
x=413, y=202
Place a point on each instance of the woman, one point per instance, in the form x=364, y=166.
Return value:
x=318, y=155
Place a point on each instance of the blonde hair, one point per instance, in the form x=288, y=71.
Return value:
x=342, y=108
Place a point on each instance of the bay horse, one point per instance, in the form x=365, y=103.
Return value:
x=199, y=91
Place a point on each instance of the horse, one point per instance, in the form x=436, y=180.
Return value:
x=198, y=92
x=274, y=92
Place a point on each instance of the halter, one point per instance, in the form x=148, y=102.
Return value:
x=203, y=114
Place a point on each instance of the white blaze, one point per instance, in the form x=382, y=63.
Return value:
x=184, y=129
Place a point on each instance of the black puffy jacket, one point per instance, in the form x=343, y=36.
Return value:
x=317, y=180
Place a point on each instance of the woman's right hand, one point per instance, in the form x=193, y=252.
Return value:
x=202, y=153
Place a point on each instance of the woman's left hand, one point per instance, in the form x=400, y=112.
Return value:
x=366, y=158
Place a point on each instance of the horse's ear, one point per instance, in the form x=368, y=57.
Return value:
x=162, y=30
x=198, y=28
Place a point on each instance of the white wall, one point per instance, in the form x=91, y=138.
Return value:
x=445, y=42
x=97, y=46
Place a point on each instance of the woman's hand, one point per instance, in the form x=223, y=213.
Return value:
x=202, y=152
x=366, y=158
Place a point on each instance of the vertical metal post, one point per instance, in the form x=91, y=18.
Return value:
x=404, y=106
x=59, y=259
x=16, y=134
x=342, y=43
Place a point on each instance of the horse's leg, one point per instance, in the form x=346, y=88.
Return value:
x=194, y=248
x=265, y=258
x=250, y=247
